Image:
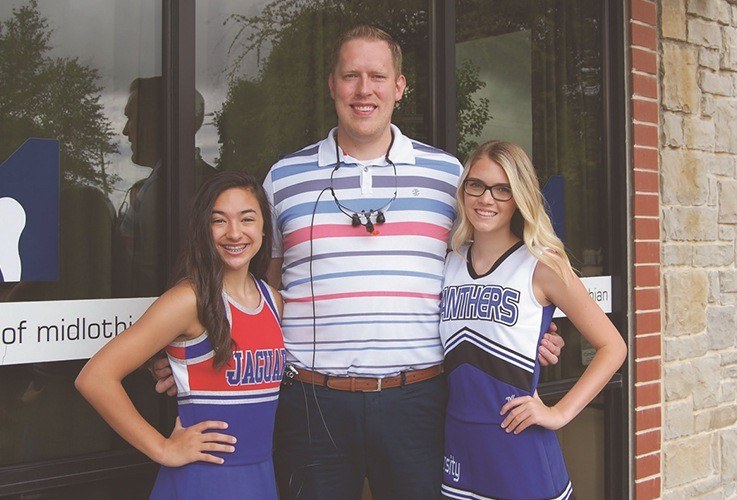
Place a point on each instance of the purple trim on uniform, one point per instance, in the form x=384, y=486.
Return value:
x=198, y=349
x=266, y=294
x=547, y=317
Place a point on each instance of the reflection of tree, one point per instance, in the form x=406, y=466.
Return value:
x=472, y=114
x=53, y=97
x=287, y=105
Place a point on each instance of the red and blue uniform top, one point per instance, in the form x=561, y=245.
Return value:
x=244, y=391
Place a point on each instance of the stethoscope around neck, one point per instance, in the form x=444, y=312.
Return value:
x=378, y=214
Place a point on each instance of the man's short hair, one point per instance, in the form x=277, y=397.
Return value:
x=366, y=32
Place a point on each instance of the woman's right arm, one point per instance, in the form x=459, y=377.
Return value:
x=173, y=314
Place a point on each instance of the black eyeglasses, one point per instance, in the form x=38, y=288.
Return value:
x=500, y=192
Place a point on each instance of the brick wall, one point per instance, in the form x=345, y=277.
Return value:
x=646, y=224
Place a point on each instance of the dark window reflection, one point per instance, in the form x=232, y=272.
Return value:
x=72, y=85
x=266, y=66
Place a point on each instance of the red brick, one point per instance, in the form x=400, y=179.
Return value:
x=646, y=181
x=647, y=205
x=647, y=299
x=647, y=442
x=644, y=36
x=647, y=466
x=645, y=85
x=647, y=322
x=648, y=489
x=644, y=60
x=644, y=11
x=645, y=135
x=647, y=347
x=645, y=159
x=647, y=371
x=648, y=394
x=648, y=418
x=647, y=229
x=645, y=111
x=647, y=275
x=647, y=252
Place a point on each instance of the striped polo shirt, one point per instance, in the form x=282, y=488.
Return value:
x=376, y=296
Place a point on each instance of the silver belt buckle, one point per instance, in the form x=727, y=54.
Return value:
x=378, y=386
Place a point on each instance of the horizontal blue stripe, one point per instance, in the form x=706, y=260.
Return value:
x=353, y=182
x=368, y=253
x=232, y=398
x=400, y=204
x=412, y=365
x=348, y=274
x=360, y=341
x=199, y=349
x=338, y=323
x=364, y=314
x=338, y=349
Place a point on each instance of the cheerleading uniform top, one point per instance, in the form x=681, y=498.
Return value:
x=244, y=391
x=491, y=326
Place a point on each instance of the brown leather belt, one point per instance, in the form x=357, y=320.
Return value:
x=366, y=384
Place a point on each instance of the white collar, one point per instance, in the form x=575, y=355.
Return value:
x=401, y=151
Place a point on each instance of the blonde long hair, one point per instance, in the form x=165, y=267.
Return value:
x=530, y=221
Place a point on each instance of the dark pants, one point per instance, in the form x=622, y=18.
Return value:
x=328, y=441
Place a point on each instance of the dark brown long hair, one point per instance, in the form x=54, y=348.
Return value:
x=201, y=265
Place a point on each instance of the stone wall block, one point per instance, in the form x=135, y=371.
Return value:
x=690, y=223
x=714, y=292
x=726, y=117
x=683, y=177
x=708, y=106
x=699, y=133
x=718, y=254
x=728, y=392
x=672, y=129
x=728, y=447
x=728, y=201
x=720, y=327
x=680, y=86
x=679, y=419
x=729, y=54
x=679, y=348
x=722, y=417
x=707, y=370
x=726, y=233
x=687, y=460
x=686, y=294
x=721, y=164
x=713, y=192
x=716, y=83
x=704, y=33
x=708, y=9
x=728, y=281
x=709, y=58
x=677, y=254
x=673, y=19
x=678, y=381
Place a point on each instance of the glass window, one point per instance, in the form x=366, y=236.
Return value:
x=262, y=67
x=530, y=72
x=97, y=91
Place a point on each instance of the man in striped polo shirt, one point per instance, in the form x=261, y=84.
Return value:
x=362, y=220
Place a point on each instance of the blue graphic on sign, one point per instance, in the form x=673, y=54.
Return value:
x=29, y=213
x=554, y=194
